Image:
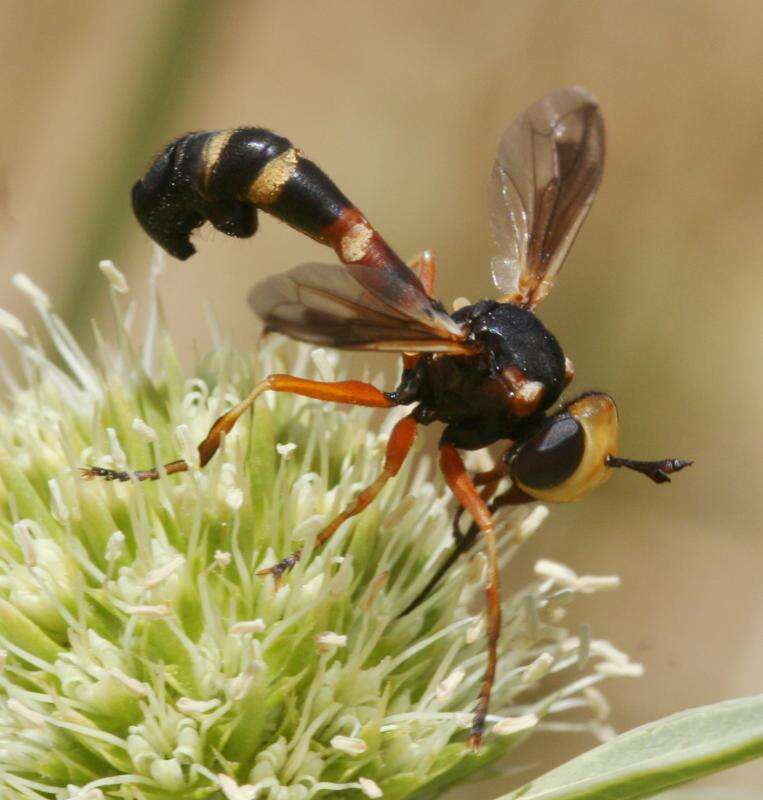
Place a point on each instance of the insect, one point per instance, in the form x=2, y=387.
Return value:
x=490, y=372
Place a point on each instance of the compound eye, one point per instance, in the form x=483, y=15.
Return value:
x=568, y=457
x=551, y=456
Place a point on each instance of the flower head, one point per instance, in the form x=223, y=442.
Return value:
x=142, y=658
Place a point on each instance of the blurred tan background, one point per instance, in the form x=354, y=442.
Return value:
x=403, y=103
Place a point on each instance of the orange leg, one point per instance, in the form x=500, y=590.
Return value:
x=425, y=268
x=352, y=392
x=467, y=495
x=488, y=480
x=398, y=447
x=465, y=541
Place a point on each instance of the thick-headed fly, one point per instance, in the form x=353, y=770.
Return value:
x=489, y=372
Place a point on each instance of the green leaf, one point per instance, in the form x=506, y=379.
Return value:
x=710, y=793
x=656, y=756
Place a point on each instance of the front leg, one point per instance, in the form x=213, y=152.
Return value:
x=351, y=392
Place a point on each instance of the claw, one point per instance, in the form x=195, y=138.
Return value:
x=478, y=727
x=88, y=473
x=475, y=738
x=281, y=567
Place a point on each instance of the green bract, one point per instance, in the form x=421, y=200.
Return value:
x=143, y=659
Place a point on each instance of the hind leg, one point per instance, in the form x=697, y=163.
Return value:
x=467, y=495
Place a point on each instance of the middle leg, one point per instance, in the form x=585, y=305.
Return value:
x=399, y=445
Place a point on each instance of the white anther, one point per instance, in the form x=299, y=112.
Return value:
x=115, y=277
x=532, y=522
x=538, y=668
x=59, y=507
x=556, y=571
x=144, y=430
x=188, y=448
x=510, y=725
x=156, y=576
x=328, y=639
x=349, y=745
x=603, y=733
x=26, y=713
x=370, y=788
x=235, y=499
x=597, y=702
x=134, y=686
x=603, y=649
x=235, y=792
x=115, y=546
x=25, y=542
x=247, y=626
x=160, y=611
x=26, y=285
x=228, y=474
x=90, y=794
x=12, y=324
x=587, y=584
x=187, y=705
x=222, y=558
x=285, y=450
x=447, y=687
x=475, y=630
x=612, y=670
x=239, y=687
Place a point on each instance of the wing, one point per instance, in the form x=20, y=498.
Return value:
x=549, y=165
x=325, y=304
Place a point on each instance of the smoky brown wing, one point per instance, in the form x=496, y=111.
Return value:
x=398, y=288
x=549, y=164
x=324, y=304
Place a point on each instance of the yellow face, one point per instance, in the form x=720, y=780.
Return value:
x=596, y=416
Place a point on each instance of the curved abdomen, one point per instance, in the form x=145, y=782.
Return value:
x=226, y=176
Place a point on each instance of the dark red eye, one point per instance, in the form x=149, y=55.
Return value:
x=552, y=455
